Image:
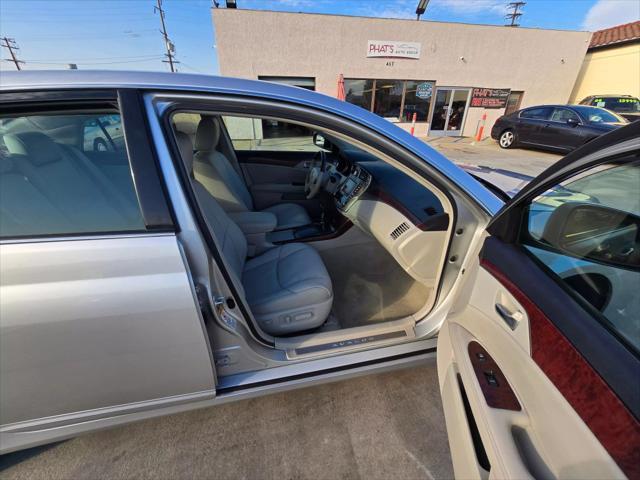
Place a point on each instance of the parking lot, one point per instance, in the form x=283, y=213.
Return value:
x=382, y=426
x=488, y=153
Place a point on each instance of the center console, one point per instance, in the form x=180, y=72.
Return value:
x=346, y=192
x=355, y=185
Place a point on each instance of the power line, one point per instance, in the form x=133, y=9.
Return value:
x=11, y=45
x=167, y=43
x=514, y=15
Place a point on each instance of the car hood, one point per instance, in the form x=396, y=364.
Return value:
x=508, y=181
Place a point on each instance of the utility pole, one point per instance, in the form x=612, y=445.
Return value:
x=11, y=45
x=514, y=15
x=167, y=43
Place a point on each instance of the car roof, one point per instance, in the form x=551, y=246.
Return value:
x=607, y=95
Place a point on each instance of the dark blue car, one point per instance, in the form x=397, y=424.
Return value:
x=554, y=127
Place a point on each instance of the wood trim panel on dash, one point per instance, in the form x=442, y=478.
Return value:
x=593, y=400
x=494, y=385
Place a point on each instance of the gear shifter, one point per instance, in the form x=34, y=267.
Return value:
x=323, y=225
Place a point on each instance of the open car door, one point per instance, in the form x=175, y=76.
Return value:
x=539, y=364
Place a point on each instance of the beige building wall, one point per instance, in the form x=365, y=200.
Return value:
x=614, y=70
x=542, y=63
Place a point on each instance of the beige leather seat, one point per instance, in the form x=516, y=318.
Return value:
x=287, y=288
x=216, y=173
x=65, y=177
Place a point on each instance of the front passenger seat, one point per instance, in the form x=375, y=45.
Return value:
x=287, y=288
x=216, y=173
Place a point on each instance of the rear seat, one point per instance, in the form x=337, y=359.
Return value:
x=24, y=210
x=66, y=178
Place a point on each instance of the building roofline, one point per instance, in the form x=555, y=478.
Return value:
x=342, y=15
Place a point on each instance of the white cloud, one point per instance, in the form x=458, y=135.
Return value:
x=609, y=13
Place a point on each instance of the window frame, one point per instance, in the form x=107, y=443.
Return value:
x=548, y=117
x=520, y=94
x=155, y=211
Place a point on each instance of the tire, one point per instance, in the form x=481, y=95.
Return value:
x=99, y=145
x=507, y=139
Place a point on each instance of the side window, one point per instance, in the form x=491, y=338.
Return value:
x=271, y=135
x=536, y=113
x=563, y=115
x=586, y=231
x=54, y=182
x=103, y=134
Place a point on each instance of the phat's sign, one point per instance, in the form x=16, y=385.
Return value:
x=389, y=49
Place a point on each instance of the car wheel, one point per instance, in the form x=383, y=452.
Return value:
x=507, y=139
x=99, y=145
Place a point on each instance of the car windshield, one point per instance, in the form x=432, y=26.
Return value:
x=598, y=115
x=618, y=104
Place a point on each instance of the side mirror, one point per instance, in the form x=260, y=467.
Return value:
x=572, y=122
x=595, y=232
x=321, y=142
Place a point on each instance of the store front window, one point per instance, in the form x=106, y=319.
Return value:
x=417, y=99
x=395, y=100
x=388, y=99
x=359, y=92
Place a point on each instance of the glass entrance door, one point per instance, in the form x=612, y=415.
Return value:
x=449, y=111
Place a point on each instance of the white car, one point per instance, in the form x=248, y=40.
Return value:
x=245, y=238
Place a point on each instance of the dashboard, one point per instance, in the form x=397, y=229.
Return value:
x=404, y=216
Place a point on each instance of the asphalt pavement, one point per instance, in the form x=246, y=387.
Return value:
x=376, y=427
x=488, y=153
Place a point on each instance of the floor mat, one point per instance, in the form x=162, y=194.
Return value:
x=370, y=287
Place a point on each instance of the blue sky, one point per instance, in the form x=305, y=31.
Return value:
x=124, y=34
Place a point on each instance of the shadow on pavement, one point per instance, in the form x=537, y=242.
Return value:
x=10, y=459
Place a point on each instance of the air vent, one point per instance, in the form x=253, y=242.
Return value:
x=399, y=230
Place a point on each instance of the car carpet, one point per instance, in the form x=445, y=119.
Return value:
x=370, y=287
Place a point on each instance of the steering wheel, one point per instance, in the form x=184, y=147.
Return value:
x=316, y=175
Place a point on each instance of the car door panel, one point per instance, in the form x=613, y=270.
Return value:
x=276, y=177
x=115, y=324
x=547, y=438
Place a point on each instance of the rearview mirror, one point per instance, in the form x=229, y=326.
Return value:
x=595, y=232
x=572, y=122
x=321, y=142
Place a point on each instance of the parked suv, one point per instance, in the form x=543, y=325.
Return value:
x=624, y=105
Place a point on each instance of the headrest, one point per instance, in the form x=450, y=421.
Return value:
x=207, y=134
x=186, y=150
x=36, y=145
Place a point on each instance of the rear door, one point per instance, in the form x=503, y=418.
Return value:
x=530, y=124
x=539, y=365
x=98, y=319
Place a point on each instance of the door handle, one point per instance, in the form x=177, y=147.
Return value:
x=511, y=319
